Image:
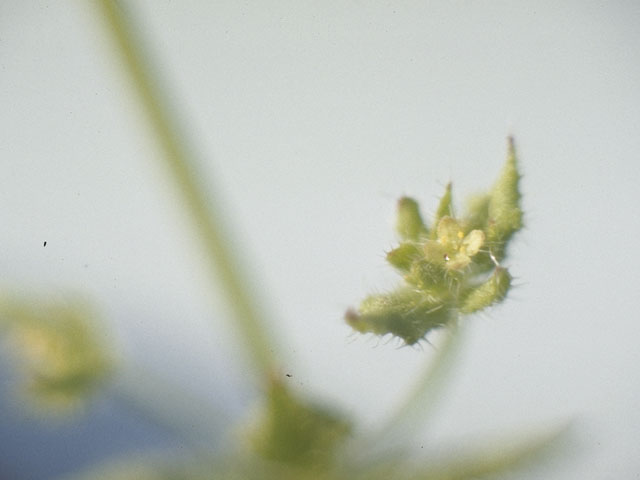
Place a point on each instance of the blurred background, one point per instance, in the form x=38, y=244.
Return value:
x=310, y=120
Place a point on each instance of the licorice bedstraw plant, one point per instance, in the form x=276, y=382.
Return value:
x=451, y=266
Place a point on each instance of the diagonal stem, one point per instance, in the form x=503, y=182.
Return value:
x=411, y=414
x=205, y=214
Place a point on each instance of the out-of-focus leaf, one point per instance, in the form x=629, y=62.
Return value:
x=498, y=458
x=59, y=349
x=295, y=432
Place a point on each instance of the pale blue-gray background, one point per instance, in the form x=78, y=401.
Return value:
x=311, y=118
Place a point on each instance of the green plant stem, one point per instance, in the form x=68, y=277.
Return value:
x=206, y=218
x=415, y=408
x=411, y=414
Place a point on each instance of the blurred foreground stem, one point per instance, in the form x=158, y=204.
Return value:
x=206, y=216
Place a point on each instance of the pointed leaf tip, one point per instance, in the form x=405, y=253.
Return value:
x=445, y=209
x=505, y=214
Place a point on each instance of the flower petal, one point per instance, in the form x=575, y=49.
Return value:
x=472, y=242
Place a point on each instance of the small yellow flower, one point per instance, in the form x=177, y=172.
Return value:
x=453, y=249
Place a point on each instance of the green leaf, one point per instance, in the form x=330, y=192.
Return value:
x=445, y=209
x=405, y=313
x=495, y=459
x=477, y=214
x=504, y=213
x=409, y=224
x=492, y=291
x=403, y=256
x=293, y=431
x=61, y=352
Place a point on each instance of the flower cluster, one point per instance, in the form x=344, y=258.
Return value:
x=449, y=269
